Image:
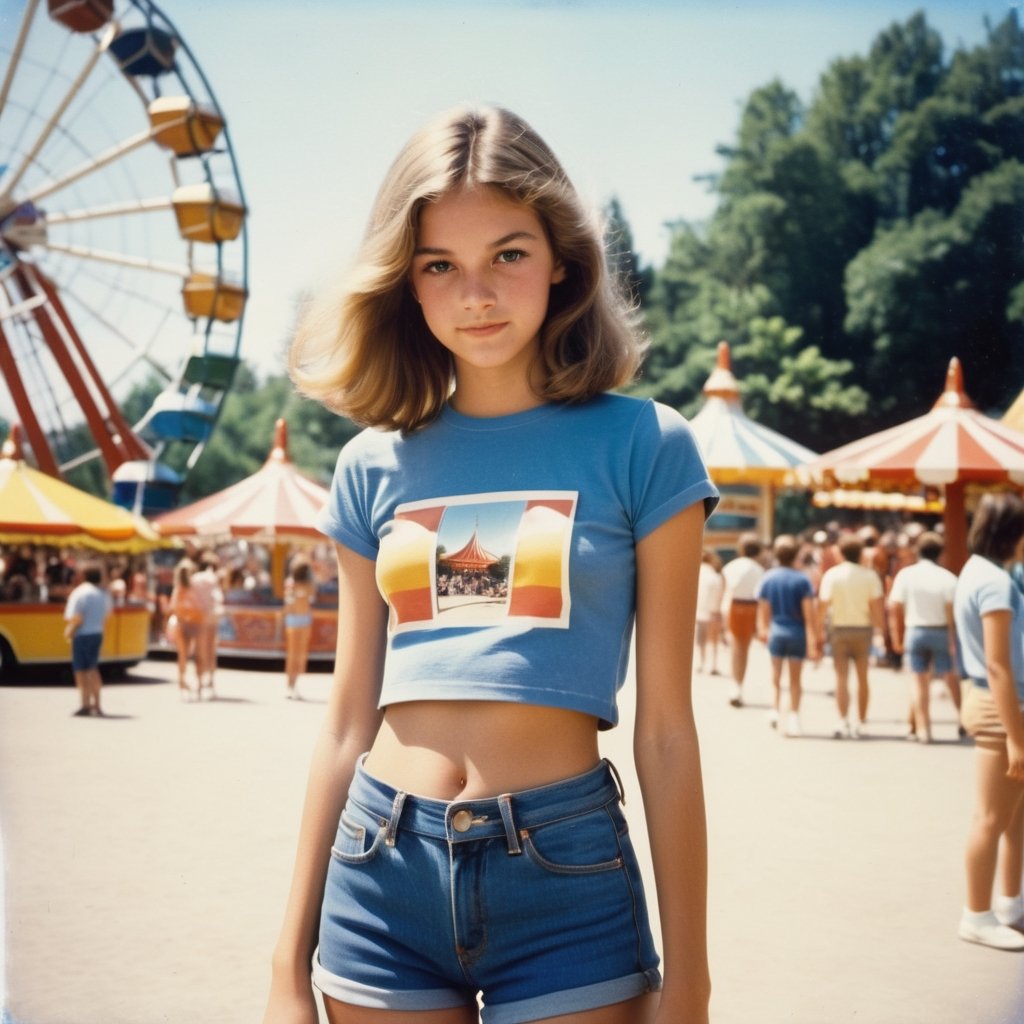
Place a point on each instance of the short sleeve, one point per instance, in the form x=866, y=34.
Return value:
x=996, y=595
x=347, y=517
x=825, y=587
x=667, y=472
x=897, y=593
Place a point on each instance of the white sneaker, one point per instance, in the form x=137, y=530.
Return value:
x=1009, y=912
x=773, y=718
x=856, y=730
x=793, y=725
x=987, y=931
x=842, y=730
x=736, y=697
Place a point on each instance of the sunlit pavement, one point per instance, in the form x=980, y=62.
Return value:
x=148, y=854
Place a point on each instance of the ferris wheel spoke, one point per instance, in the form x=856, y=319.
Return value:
x=25, y=407
x=122, y=149
x=141, y=352
x=19, y=45
x=122, y=260
x=55, y=118
x=113, y=435
x=109, y=210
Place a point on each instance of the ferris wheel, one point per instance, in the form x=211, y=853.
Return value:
x=123, y=250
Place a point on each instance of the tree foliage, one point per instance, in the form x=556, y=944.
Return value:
x=859, y=242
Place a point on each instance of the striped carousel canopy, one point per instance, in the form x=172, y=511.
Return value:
x=1015, y=414
x=953, y=443
x=737, y=449
x=277, y=502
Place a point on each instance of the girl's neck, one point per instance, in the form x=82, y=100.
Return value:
x=484, y=398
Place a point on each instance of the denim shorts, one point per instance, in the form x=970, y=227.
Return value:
x=85, y=651
x=532, y=900
x=787, y=643
x=928, y=647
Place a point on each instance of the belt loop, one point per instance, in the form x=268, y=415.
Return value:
x=505, y=806
x=396, y=813
x=618, y=781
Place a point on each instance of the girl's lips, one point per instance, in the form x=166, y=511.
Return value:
x=482, y=330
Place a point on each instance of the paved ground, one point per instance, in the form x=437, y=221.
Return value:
x=148, y=855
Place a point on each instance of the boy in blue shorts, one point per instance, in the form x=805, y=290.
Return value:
x=786, y=621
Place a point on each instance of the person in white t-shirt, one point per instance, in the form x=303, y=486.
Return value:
x=742, y=576
x=921, y=624
x=710, y=592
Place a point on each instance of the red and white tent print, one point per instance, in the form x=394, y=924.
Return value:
x=948, y=447
x=276, y=503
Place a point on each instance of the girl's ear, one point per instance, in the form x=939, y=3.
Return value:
x=558, y=274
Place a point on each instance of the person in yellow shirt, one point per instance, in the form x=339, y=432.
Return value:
x=851, y=604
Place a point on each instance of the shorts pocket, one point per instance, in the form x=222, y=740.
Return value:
x=353, y=843
x=584, y=844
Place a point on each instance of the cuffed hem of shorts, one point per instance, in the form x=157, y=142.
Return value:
x=355, y=993
x=573, y=1000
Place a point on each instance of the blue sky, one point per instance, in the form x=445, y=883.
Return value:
x=633, y=97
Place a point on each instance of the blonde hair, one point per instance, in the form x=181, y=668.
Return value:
x=365, y=350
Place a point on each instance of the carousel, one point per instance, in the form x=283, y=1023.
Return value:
x=747, y=461
x=256, y=526
x=953, y=450
x=47, y=528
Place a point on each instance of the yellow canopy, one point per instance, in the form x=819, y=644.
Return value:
x=36, y=508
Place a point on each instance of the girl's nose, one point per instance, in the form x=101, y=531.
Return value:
x=477, y=293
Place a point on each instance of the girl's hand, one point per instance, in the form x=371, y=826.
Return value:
x=1015, y=755
x=288, y=1004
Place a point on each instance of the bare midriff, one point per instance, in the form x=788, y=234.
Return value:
x=450, y=750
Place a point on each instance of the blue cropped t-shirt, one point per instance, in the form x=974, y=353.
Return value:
x=504, y=546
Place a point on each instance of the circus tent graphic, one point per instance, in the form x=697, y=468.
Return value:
x=529, y=532
x=472, y=557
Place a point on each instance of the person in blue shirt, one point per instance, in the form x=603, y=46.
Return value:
x=85, y=616
x=787, y=622
x=989, y=612
x=499, y=524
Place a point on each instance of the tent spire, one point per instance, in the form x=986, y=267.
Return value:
x=954, y=397
x=279, y=453
x=722, y=383
x=12, y=448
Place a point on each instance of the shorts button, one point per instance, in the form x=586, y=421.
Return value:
x=462, y=820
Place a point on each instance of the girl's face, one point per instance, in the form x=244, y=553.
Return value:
x=482, y=274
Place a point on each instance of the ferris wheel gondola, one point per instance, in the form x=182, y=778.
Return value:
x=123, y=246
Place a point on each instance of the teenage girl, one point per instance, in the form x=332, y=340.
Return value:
x=299, y=592
x=498, y=527
x=989, y=613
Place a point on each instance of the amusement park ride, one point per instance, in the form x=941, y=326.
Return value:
x=123, y=255
x=123, y=271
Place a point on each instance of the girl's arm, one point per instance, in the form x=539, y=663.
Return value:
x=351, y=722
x=995, y=628
x=668, y=758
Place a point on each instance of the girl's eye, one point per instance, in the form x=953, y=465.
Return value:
x=438, y=267
x=511, y=256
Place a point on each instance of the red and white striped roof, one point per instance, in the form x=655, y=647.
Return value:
x=737, y=449
x=276, y=503
x=953, y=442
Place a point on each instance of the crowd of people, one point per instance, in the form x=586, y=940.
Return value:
x=861, y=598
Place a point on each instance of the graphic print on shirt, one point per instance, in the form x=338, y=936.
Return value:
x=478, y=560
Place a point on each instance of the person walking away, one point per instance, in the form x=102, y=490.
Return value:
x=788, y=624
x=921, y=624
x=187, y=615
x=710, y=592
x=851, y=602
x=85, y=616
x=482, y=852
x=742, y=575
x=299, y=594
x=208, y=594
x=989, y=613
